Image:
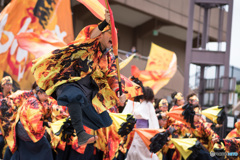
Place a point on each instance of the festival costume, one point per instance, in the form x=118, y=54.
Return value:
x=8, y=111
x=169, y=150
x=30, y=130
x=144, y=113
x=204, y=135
x=232, y=141
x=2, y=142
x=5, y=80
x=11, y=119
x=199, y=130
x=232, y=145
x=82, y=77
x=63, y=150
x=235, y=132
x=180, y=130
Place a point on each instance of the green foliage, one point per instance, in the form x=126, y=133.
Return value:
x=238, y=91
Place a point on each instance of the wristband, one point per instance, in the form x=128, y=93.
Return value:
x=46, y=124
x=102, y=25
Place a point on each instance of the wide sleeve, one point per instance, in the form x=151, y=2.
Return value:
x=54, y=111
x=84, y=35
x=31, y=116
x=130, y=107
x=20, y=96
x=209, y=132
x=153, y=121
x=232, y=134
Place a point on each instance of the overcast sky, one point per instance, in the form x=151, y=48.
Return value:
x=235, y=41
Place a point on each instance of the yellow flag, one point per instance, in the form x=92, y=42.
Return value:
x=161, y=66
x=56, y=126
x=118, y=119
x=182, y=144
x=126, y=61
x=212, y=113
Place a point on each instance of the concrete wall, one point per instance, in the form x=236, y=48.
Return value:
x=125, y=37
x=175, y=45
x=176, y=12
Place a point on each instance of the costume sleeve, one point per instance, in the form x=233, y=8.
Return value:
x=237, y=126
x=232, y=134
x=232, y=146
x=35, y=116
x=84, y=35
x=210, y=134
x=180, y=129
x=6, y=112
x=170, y=121
x=20, y=96
x=54, y=111
x=32, y=116
x=153, y=121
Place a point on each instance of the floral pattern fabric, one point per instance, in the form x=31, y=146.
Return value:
x=74, y=62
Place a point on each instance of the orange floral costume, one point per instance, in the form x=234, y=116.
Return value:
x=74, y=62
x=204, y=134
x=8, y=113
x=235, y=132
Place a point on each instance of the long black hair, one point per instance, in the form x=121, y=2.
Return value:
x=148, y=94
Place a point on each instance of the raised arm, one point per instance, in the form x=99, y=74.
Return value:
x=98, y=30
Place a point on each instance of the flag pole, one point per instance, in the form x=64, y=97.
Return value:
x=115, y=49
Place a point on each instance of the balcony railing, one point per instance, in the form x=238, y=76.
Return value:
x=209, y=84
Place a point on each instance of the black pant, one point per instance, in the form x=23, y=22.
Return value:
x=8, y=154
x=75, y=111
x=2, y=143
x=80, y=109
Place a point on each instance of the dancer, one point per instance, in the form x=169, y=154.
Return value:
x=5, y=91
x=177, y=99
x=81, y=76
x=146, y=118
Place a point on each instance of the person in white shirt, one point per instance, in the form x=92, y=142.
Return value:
x=146, y=118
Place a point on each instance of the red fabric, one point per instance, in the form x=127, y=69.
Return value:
x=39, y=44
x=114, y=33
x=91, y=5
x=95, y=6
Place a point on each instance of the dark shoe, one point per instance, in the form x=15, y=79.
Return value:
x=84, y=138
